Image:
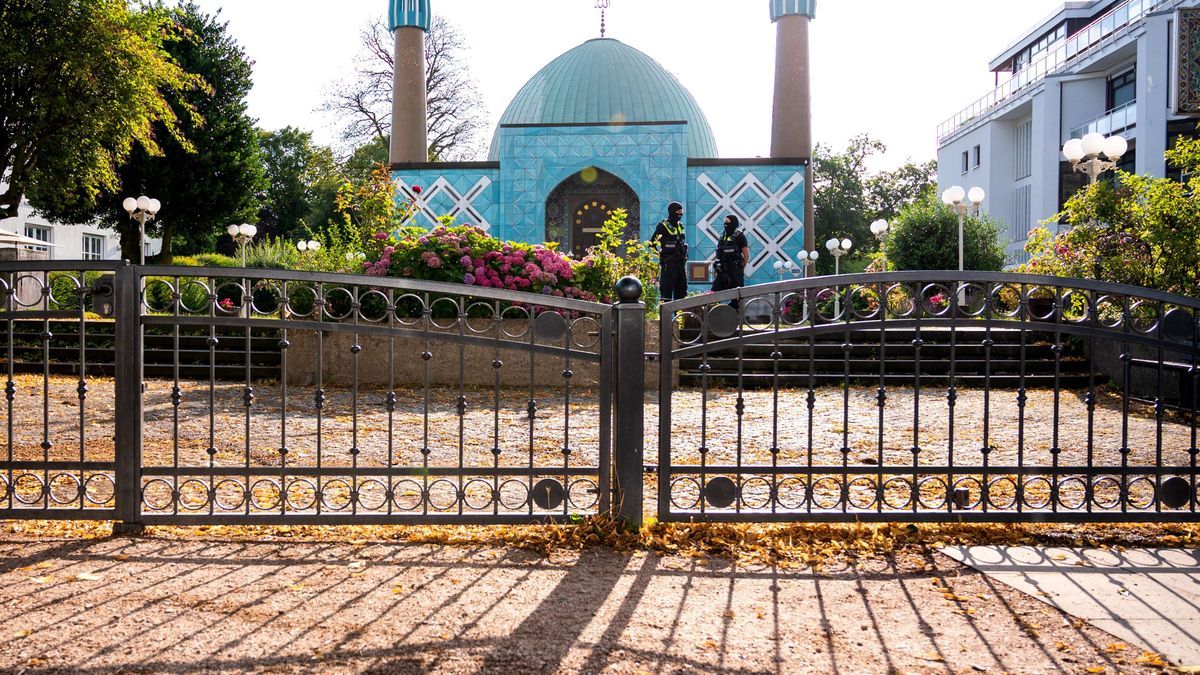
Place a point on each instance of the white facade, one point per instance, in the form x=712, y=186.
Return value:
x=70, y=242
x=1093, y=65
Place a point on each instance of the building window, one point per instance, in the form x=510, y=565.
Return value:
x=41, y=234
x=93, y=247
x=1023, y=159
x=1122, y=89
x=978, y=157
x=966, y=162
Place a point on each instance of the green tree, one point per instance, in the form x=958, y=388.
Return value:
x=848, y=197
x=217, y=180
x=889, y=192
x=82, y=84
x=1136, y=230
x=924, y=236
x=302, y=183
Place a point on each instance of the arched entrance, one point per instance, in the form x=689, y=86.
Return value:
x=577, y=208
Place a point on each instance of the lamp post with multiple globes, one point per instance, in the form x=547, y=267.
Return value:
x=242, y=234
x=141, y=210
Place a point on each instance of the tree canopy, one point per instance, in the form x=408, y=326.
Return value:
x=217, y=178
x=302, y=183
x=848, y=196
x=1136, y=230
x=924, y=236
x=81, y=85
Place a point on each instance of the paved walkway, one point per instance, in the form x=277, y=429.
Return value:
x=270, y=605
x=1147, y=597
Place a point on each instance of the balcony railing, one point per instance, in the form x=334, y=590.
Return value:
x=1100, y=32
x=1114, y=121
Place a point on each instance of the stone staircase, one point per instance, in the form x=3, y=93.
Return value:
x=829, y=362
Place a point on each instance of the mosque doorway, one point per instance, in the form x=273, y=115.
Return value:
x=577, y=209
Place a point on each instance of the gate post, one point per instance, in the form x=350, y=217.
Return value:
x=128, y=384
x=630, y=379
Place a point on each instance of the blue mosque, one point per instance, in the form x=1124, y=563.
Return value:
x=605, y=126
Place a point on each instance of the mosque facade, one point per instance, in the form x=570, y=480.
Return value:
x=602, y=127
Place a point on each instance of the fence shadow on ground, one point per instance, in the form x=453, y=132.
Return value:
x=186, y=604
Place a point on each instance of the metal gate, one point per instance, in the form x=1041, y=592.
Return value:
x=251, y=396
x=918, y=396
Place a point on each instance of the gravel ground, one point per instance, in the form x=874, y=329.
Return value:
x=263, y=605
x=769, y=422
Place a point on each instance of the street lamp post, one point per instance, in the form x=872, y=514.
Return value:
x=880, y=228
x=141, y=210
x=838, y=248
x=807, y=260
x=953, y=197
x=1084, y=154
x=242, y=234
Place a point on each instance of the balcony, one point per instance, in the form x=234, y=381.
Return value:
x=1115, y=121
x=1101, y=32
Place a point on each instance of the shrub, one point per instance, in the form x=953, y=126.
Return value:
x=216, y=260
x=1139, y=230
x=925, y=237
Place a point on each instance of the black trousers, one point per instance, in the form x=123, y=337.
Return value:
x=672, y=280
x=729, y=280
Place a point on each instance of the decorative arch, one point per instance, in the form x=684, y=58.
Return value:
x=579, y=205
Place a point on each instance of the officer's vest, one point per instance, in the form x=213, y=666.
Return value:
x=673, y=246
x=728, y=252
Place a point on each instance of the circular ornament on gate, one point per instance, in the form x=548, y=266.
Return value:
x=1178, y=325
x=548, y=494
x=550, y=326
x=722, y=321
x=1174, y=492
x=720, y=492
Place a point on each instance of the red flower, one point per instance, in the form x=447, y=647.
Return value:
x=417, y=189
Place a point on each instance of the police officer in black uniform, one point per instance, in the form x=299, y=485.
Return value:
x=733, y=254
x=672, y=254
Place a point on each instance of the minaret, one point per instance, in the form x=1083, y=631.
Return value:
x=409, y=20
x=791, y=125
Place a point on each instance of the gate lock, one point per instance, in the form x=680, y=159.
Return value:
x=104, y=295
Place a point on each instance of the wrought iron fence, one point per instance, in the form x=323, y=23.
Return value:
x=310, y=398
x=195, y=395
x=917, y=396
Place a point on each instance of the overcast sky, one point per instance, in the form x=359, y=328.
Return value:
x=894, y=69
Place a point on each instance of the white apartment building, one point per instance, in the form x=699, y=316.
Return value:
x=1110, y=66
x=67, y=242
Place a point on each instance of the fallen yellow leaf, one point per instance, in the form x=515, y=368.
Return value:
x=25, y=632
x=41, y=580
x=88, y=576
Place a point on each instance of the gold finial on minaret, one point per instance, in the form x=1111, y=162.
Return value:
x=602, y=5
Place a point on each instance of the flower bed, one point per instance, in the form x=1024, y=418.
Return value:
x=469, y=255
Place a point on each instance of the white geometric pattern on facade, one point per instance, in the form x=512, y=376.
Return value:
x=712, y=224
x=463, y=203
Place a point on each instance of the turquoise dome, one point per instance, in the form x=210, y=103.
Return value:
x=603, y=81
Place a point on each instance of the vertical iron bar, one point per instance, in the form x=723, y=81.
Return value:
x=82, y=388
x=462, y=398
x=1126, y=361
x=1057, y=348
x=848, y=312
x=1159, y=411
x=10, y=387
x=47, y=336
x=881, y=395
x=128, y=384
x=355, y=350
x=248, y=404
x=497, y=364
x=176, y=398
x=741, y=405
x=918, y=310
x=952, y=394
x=1022, y=398
x=1090, y=400
x=391, y=401
x=426, y=357
x=630, y=411
x=568, y=375
x=666, y=388
x=606, y=467
x=984, y=488
x=531, y=405
x=811, y=397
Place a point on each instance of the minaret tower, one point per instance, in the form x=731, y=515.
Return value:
x=791, y=126
x=409, y=20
